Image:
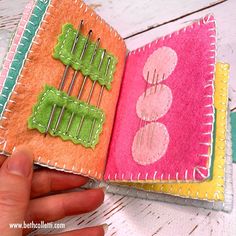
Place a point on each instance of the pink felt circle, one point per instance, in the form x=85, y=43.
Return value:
x=163, y=61
x=150, y=143
x=154, y=103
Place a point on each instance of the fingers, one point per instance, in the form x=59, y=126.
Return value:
x=15, y=184
x=56, y=207
x=92, y=231
x=45, y=181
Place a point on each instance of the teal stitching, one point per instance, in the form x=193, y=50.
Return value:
x=22, y=51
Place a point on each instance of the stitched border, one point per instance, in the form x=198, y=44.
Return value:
x=31, y=41
x=209, y=83
x=2, y=139
x=12, y=48
x=28, y=39
x=225, y=205
x=221, y=105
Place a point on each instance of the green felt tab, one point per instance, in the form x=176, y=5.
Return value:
x=233, y=129
x=42, y=110
x=62, y=51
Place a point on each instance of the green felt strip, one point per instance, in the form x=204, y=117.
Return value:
x=62, y=52
x=213, y=146
x=233, y=127
x=22, y=50
x=42, y=110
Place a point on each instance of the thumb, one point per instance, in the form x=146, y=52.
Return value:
x=15, y=183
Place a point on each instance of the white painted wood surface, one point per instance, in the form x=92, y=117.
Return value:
x=125, y=215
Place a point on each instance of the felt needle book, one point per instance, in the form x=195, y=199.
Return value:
x=152, y=122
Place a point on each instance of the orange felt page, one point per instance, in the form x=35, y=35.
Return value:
x=40, y=69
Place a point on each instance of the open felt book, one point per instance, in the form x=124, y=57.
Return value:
x=153, y=120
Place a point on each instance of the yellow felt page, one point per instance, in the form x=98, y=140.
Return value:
x=212, y=189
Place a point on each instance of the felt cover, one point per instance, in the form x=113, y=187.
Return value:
x=224, y=205
x=184, y=62
x=37, y=71
x=15, y=41
x=212, y=189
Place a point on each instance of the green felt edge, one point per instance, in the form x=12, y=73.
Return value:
x=62, y=52
x=23, y=48
x=213, y=146
x=233, y=130
x=42, y=110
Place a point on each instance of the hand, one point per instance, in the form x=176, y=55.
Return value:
x=24, y=196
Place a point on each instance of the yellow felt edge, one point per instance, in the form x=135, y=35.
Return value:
x=212, y=189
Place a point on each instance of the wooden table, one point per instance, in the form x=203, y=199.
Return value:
x=140, y=22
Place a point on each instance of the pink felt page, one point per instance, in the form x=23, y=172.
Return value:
x=15, y=41
x=179, y=128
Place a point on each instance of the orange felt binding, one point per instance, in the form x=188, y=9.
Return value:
x=40, y=69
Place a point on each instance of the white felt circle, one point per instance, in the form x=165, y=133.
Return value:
x=150, y=143
x=154, y=102
x=160, y=65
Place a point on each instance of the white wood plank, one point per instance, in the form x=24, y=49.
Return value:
x=4, y=41
x=130, y=17
x=127, y=17
x=10, y=13
x=131, y=216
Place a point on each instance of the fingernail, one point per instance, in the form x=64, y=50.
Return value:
x=20, y=163
x=105, y=228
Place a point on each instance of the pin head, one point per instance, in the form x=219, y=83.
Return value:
x=81, y=25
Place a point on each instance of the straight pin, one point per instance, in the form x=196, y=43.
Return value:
x=152, y=131
x=90, y=94
x=140, y=140
x=141, y=120
x=62, y=83
x=145, y=122
x=99, y=101
x=71, y=86
x=83, y=84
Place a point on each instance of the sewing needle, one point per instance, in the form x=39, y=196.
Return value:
x=99, y=99
x=73, y=80
x=90, y=94
x=62, y=83
x=83, y=84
